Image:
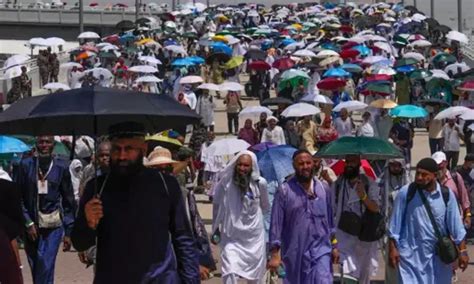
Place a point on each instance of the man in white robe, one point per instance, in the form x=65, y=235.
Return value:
x=240, y=200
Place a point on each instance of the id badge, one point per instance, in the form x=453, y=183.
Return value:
x=42, y=187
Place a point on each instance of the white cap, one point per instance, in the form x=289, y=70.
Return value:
x=271, y=117
x=439, y=157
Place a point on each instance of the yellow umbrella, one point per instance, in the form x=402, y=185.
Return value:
x=383, y=103
x=234, y=62
x=164, y=140
x=297, y=26
x=330, y=60
x=145, y=41
x=220, y=38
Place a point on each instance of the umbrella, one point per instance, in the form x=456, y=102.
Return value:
x=276, y=163
x=377, y=89
x=227, y=146
x=457, y=36
x=178, y=49
x=70, y=65
x=408, y=111
x=434, y=102
x=339, y=166
x=383, y=103
x=330, y=84
x=330, y=60
x=220, y=47
x=143, y=69
x=405, y=62
x=88, y=35
x=56, y=86
x=294, y=76
x=191, y=80
x=98, y=71
x=125, y=25
x=326, y=53
x=262, y=147
x=443, y=57
x=12, y=145
x=255, y=54
x=336, y=72
x=362, y=49
x=468, y=115
x=415, y=55
x=406, y=69
x=276, y=101
x=234, y=62
x=17, y=59
x=373, y=59
x=467, y=86
x=283, y=63
x=300, y=110
x=320, y=99
x=150, y=59
x=259, y=66
x=91, y=111
x=12, y=72
x=196, y=59
x=420, y=74
x=231, y=86
x=350, y=106
x=421, y=43
x=349, y=53
x=304, y=53
x=209, y=86
x=221, y=57
x=148, y=79
x=353, y=68
x=164, y=141
x=456, y=68
x=254, y=111
x=366, y=147
x=182, y=62
x=452, y=112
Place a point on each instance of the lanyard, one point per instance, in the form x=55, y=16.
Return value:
x=42, y=177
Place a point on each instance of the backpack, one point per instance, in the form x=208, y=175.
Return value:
x=412, y=191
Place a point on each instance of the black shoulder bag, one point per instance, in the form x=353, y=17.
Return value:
x=445, y=247
x=349, y=221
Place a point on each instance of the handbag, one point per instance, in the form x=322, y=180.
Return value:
x=373, y=226
x=349, y=222
x=445, y=247
x=51, y=220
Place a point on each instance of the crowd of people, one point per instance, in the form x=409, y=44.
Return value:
x=398, y=69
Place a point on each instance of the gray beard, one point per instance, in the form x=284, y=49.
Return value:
x=242, y=182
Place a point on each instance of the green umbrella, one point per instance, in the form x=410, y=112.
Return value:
x=443, y=57
x=379, y=89
x=420, y=74
x=405, y=61
x=190, y=35
x=293, y=76
x=105, y=54
x=365, y=147
x=400, y=40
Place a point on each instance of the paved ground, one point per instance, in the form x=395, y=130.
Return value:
x=70, y=270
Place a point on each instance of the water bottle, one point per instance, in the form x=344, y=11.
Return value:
x=216, y=237
x=281, y=271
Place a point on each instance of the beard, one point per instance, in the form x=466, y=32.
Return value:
x=351, y=172
x=127, y=168
x=304, y=178
x=242, y=181
x=396, y=173
x=425, y=186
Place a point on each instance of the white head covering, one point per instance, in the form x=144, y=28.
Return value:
x=228, y=172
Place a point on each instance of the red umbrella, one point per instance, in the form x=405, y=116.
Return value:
x=349, y=53
x=331, y=83
x=93, y=4
x=373, y=93
x=112, y=39
x=338, y=168
x=379, y=77
x=259, y=65
x=467, y=86
x=349, y=44
x=284, y=63
x=346, y=29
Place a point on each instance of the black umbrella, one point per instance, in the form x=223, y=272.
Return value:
x=142, y=21
x=433, y=102
x=411, y=8
x=443, y=29
x=276, y=101
x=125, y=25
x=432, y=22
x=219, y=56
x=91, y=111
x=256, y=54
x=464, y=74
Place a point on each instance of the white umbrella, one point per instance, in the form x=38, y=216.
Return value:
x=88, y=35
x=357, y=39
x=38, y=41
x=97, y=72
x=149, y=59
x=227, y=146
x=417, y=17
x=316, y=98
x=373, y=59
x=350, y=106
x=326, y=53
x=15, y=60
x=421, y=43
x=70, y=65
x=457, y=36
x=375, y=38
x=300, y=109
x=176, y=49
x=330, y=60
x=55, y=41
x=12, y=72
x=451, y=112
x=295, y=45
x=385, y=70
x=109, y=47
x=384, y=46
x=414, y=55
x=149, y=79
x=468, y=115
x=438, y=73
x=143, y=69
x=254, y=111
x=191, y=80
x=304, y=53
x=209, y=86
x=455, y=68
x=231, y=86
x=56, y=86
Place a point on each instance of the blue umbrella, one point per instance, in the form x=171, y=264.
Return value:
x=362, y=49
x=409, y=111
x=170, y=42
x=127, y=37
x=196, y=59
x=182, y=62
x=336, y=72
x=351, y=67
x=330, y=45
x=287, y=41
x=276, y=163
x=220, y=47
x=405, y=69
x=12, y=145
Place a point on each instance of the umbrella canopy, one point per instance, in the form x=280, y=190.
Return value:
x=283, y=63
x=234, y=62
x=452, y=112
x=56, y=86
x=276, y=163
x=231, y=86
x=149, y=59
x=330, y=84
x=300, y=110
x=366, y=147
x=262, y=147
x=339, y=166
x=125, y=25
x=457, y=36
x=326, y=53
x=304, y=53
x=88, y=35
x=383, y=103
x=148, y=79
x=143, y=69
x=316, y=98
x=353, y=68
x=227, y=146
x=12, y=145
x=420, y=74
x=467, y=86
x=276, y=101
x=191, y=80
x=350, y=106
x=294, y=76
x=164, y=141
x=91, y=111
x=336, y=72
x=259, y=66
x=254, y=111
x=209, y=86
x=408, y=111
x=349, y=53
x=16, y=59
x=255, y=54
